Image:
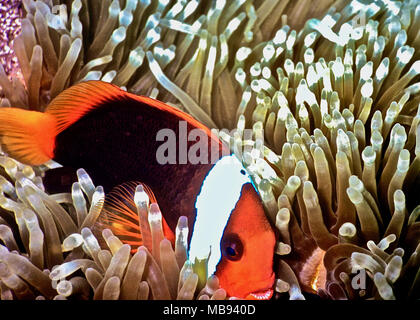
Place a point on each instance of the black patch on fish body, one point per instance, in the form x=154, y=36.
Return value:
x=59, y=180
x=116, y=143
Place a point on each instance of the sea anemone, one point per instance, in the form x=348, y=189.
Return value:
x=129, y=43
x=328, y=93
x=338, y=108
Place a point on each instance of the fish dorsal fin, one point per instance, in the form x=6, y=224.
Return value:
x=27, y=136
x=120, y=215
x=73, y=103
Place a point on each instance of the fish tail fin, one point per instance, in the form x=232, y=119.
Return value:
x=27, y=136
x=119, y=214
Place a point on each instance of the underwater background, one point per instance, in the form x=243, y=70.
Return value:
x=331, y=86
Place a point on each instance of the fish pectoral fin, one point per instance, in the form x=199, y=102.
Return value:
x=27, y=136
x=120, y=215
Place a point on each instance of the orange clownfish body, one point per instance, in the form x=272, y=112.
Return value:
x=117, y=137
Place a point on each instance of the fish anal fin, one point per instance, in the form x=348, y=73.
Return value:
x=120, y=216
x=27, y=136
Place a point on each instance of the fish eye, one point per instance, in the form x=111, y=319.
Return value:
x=232, y=247
x=243, y=172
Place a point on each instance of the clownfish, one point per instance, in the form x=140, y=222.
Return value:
x=113, y=135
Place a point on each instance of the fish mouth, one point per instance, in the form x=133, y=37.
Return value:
x=260, y=295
